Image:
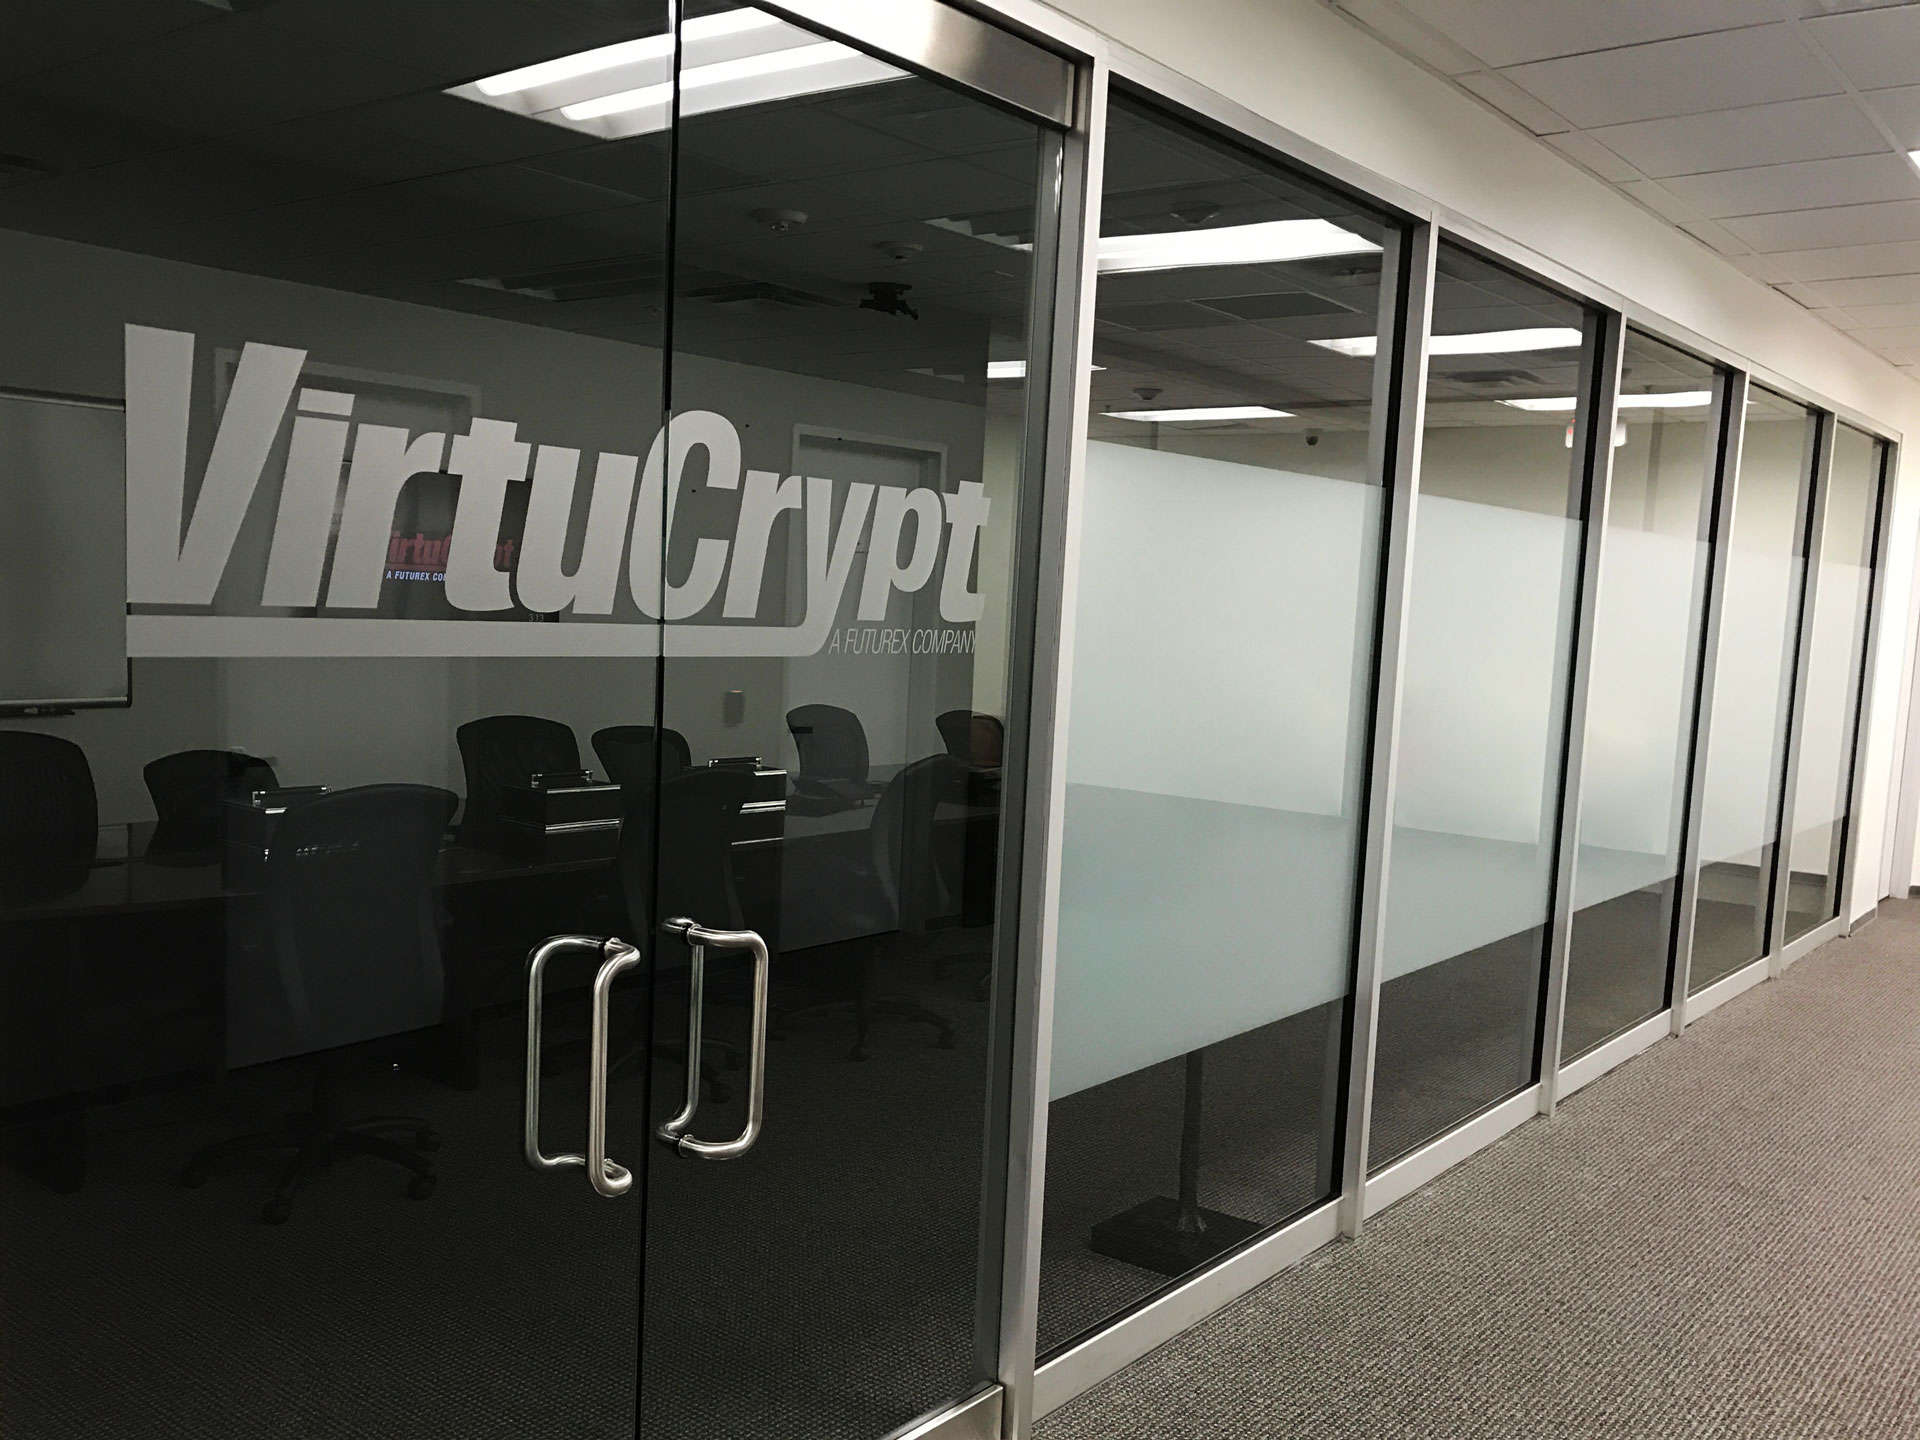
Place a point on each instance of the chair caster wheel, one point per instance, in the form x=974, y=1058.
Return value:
x=193, y=1177
x=276, y=1211
x=421, y=1186
x=428, y=1140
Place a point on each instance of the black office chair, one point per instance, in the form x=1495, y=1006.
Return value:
x=833, y=758
x=502, y=750
x=348, y=955
x=912, y=885
x=627, y=753
x=49, y=816
x=699, y=812
x=188, y=788
x=972, y=738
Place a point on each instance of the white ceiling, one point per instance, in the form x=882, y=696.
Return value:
x=1774, y=131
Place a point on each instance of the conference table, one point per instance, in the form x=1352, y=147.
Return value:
x=120, y=980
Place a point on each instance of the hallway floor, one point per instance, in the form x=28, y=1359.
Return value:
x=1721, y=1238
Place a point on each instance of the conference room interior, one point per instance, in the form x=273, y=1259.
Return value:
x=848, y=279
x=176, y=982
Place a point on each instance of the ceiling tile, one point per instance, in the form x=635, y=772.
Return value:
x=1890, y=335
x=1577, y=145
x=1868, y=290
x=1509, y=32
x=1504, y=95
x=1662, y=202
x=1767, y=268
x=1391, y=22
x=1877, y=48
x=1875, y=317
x=1716, y=236
x=1747, y=136
x=1803, y=185
x=1843, y=261
x=1842, y=225
x=1900, y=109
x=1762, y=64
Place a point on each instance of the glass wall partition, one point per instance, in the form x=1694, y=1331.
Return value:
x=1496, y=565
x=1647, y=636
x=1825, y=730
x=1223, y=661
x=1753, y=686
x=335, y=353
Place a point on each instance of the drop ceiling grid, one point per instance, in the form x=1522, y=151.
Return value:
x=1773, y=131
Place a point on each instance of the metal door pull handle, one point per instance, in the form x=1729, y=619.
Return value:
x=699, y=938
x=609, y=1177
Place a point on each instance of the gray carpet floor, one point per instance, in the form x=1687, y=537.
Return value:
x=1721, y=1238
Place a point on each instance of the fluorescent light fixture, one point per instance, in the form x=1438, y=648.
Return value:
x=1259, y=244
x=1015, y=369
x=1485, y=342
x=627, y=52
x=746, y=67
x=1205, y=412
x=741, y=57
x=1672, y=400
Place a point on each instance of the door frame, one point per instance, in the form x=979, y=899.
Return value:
x=1023, y=57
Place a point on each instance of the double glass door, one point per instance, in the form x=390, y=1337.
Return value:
x=572, y=467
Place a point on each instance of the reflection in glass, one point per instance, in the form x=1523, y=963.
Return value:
x=1223, y=662
x=1496, y=560
x=1753, y=687
x=273, y=226
x=412, y=317
x=1837, y=635
x=852, y=285
x=1640, y=703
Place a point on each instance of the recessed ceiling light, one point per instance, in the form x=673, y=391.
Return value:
x=1015, y=369
x=1264, y=243
x=627, y=52
x=1672, y=400
x=744, y=67
x=1205, y=412
x=741, y=57
x=1484, y=342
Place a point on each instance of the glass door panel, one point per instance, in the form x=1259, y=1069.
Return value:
x=368, y=349
x=1646, y=667
x=850, y=381
x=1225, y=626
x=1753, y=687
x=1837, y=633
x=1496, y=569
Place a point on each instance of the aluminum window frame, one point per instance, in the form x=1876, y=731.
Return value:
x=1028, y=1391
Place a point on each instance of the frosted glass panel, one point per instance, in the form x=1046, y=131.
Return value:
x=1640, y=705
x=1222, y=642
x=1824, y=733
x=1220, y=659
x=1496, y=565
x=1753, y=683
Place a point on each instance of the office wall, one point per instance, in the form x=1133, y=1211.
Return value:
x=1309, y=69
x=344, y=722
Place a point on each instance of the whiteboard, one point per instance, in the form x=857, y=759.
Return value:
x=63, y=552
